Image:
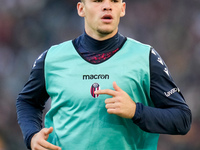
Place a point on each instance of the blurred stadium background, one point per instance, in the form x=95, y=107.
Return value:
x=28, y=27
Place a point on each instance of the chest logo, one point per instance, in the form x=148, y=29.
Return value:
x=94, y=87
x=95, y=76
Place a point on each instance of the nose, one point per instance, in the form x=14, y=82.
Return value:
x=107, y=5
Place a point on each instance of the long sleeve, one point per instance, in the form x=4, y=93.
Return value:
x=171, y=114
x=31, y=100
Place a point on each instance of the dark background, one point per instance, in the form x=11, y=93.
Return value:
x=28, y=27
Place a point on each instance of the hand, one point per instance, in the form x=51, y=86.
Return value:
x=39, y=140
x=120, y=104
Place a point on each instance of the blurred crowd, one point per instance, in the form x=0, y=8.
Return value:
x=29, y=27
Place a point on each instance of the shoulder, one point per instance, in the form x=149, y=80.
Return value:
x=58, y=50
x=138, y=44
x=137, y=49
x=39, y=62
x=158, y=65
x=60, y=46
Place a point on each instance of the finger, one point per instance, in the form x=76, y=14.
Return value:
x=48, y=145
x=110, y=106
x=116, y=87
x=47, y=131
x=39, y=145
x=39, y=148
x=109, y=100
x=106, y=91
x=111, y=111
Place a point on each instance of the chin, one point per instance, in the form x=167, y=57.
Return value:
x=105, y=31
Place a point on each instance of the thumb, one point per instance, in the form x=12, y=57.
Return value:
x=116, y=87
x=47, y=131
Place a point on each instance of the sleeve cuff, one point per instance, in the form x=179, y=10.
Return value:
x=138, y=113
x=28, y=142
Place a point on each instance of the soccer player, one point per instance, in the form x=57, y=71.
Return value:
x=108, y=91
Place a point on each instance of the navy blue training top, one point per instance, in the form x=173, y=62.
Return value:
x=171, y=115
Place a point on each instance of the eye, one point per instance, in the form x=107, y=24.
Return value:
x=115, y=1
x=98, y=1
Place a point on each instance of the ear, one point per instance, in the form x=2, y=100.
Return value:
x=80, y=9
x=123, y=11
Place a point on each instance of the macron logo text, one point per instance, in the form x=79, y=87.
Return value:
x=91, y=77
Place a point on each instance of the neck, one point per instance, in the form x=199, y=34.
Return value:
x=101, y=36
x=91, y=49
x=92, y=44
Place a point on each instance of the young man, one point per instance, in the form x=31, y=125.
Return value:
x=138, y=101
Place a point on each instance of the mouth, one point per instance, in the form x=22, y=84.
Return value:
x=107, y=18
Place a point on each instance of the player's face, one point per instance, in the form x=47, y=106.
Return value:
x=101, y=17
